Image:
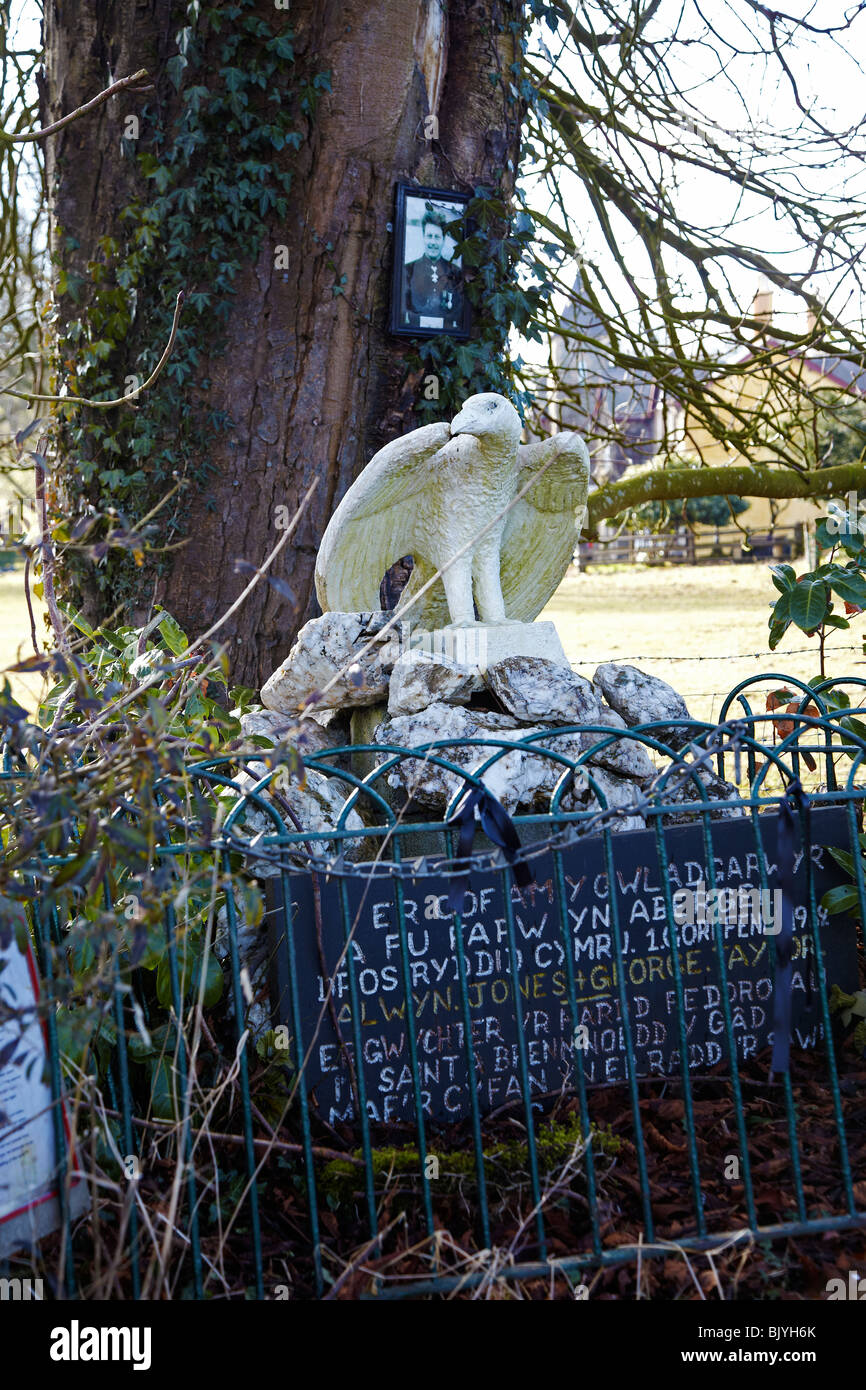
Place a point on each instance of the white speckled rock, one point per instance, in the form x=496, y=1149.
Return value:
x=618, y=792
x=533, y=689
x=520, y=778
x=325, y=646
x=307, y=735
x=419, y=680
x=539, y=691
x=642, y=699
x=626, y=756
x=317, y=805
x=679, y=790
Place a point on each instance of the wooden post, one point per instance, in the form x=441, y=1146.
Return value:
x=810, y=545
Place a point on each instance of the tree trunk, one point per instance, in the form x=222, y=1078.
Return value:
x=306, y=372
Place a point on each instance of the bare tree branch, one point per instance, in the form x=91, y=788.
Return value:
x=125, y=83
x=665, y=484
x=120, y=400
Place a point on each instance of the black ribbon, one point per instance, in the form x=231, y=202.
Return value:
x=498, y=827
x=786, y=848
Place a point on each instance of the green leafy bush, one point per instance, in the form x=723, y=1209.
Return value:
x=809, y=600
x=96, y=793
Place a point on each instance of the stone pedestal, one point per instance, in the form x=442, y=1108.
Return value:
x=344, y=660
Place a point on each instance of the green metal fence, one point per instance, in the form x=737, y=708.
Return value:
x=246, y=1184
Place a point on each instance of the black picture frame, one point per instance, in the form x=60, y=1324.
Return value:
x=431, y=300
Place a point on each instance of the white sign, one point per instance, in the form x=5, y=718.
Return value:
x=28, y=1158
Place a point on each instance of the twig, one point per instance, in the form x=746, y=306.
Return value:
x=214, y=1046
x=122, y=85
x=48, y=551
x=120, y=400
x=61, y=705
x=361, y=1257
x=30, y=603
x=283, y=1145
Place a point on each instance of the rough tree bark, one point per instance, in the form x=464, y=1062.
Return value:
x=310, y=378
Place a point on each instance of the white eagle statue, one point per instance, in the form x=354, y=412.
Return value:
x=431, y=492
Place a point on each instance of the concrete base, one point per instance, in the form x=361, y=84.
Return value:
x=362, y=725
x=483, y=644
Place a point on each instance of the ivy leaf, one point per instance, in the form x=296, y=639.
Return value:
x=235, y=78
x=283, y=47
x=174, y=67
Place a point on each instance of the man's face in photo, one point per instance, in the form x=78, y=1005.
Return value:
x=434, y=239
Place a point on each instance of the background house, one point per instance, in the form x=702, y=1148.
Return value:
x=620, y=414
x=629, y=420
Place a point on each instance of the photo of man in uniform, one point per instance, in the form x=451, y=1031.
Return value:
x=433, y=285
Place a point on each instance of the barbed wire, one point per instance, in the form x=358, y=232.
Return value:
x=730, y=656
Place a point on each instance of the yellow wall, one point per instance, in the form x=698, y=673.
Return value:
x=756, y=391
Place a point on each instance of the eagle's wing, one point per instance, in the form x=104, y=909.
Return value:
x=543, y=528
x=374, y=524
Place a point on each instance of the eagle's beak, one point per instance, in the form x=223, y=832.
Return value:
x=460, y=423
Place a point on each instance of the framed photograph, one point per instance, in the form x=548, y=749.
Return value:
x=427, y=294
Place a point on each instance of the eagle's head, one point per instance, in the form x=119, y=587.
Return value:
x=489, y=416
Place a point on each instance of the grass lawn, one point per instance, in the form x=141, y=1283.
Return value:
x=701, y=628
x=15, y=640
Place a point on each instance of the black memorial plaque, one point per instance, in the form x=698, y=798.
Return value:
x=547, y=1023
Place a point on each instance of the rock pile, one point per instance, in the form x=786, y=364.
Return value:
x=413, y=698
x=346, y=676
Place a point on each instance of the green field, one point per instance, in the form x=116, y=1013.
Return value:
x=701, y=628
x=15, y=639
